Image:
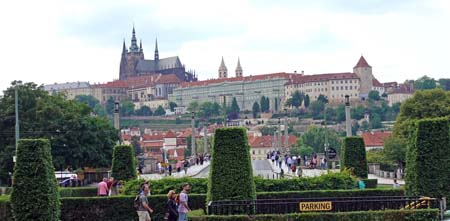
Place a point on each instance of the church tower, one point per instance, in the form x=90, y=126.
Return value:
x=156, y=50
x=130, y=58
x=364, y=71
x=223, y=70
x=239, y=69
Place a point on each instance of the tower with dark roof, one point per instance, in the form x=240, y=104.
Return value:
x=223, y=72
x=364, y=71
x=239, y=72
x=156, y=50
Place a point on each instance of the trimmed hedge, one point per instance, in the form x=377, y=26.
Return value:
x=371, y=183
x=231, y=173
x=35, y=193
x=353, y=156
x=162, y=186
x=112, y=208
x=428, y=159
x=386, y=215
x=78, y=192
x=123, y=163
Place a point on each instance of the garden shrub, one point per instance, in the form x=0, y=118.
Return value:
x=385, y=215
x=231, y=173
x=330, y=193
x=353, y=156
x=35, y=193
x=428, y=159
x=162, y=186
x=370, y=183
x=78, y=191
x=124, y=163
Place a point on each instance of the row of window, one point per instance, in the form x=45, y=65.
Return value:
x=343, y=95
x=344, y=88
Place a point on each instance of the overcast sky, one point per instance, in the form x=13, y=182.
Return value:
x=64, y=41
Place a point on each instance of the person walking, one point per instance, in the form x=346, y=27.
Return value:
x=171, y=207
x=185, y=166
x=299, y=171
x=178, y=166
x=144, y=209
x=396, y=185
x=183, y=207
x=170, y=169
x=102, y=188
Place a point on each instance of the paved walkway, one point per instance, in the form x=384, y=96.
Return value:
x=192, y=171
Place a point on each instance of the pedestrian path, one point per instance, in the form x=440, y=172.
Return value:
x=288, y=172
x=192, y=171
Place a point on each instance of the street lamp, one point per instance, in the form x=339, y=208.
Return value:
x=286, y=132
x=279, y=133
x=116, y=118
x=193, y=134
x=16, y=106
x=348, y=125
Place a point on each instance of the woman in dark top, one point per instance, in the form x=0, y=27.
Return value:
x=171, y=207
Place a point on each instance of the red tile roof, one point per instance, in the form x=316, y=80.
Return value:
x=266, y=141
x=376, y=139
x=126, y=136
x=168, y=78
x=148, y=137
x=153, y=144
x=376, y=83
x=403, y=89
x=362, y=63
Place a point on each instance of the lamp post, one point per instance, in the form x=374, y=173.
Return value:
x=286, y=132
x=193, y=135
x=279, y=134
x=348, y=125
x=16, y=107
x=116, y=118
x=205, y=139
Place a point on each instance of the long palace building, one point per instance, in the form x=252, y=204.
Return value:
x=278, y=87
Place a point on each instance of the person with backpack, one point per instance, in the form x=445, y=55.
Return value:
x=171, y=207
x=141, y=204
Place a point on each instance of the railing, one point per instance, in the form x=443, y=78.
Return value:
x=342, y=204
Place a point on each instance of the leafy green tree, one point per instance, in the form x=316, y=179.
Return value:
x=317, y=108
x=263, y=103
x=365, y=126
x=126, y=108
x=215, y=110
x=375, y=121
x=172, y=106
x=124, y=163
x=314, y=137
x=255, y=109
x=136, y=145
x=110, y=105
x=306, y=101
x=160, y=111
x=78, y=139
x=353, y=156
x=34, y=167
x=358, y=112
x=144, y=111
x=234, y=106
x=99, y=110
x=395, y=150
x=267, y=104
x=208, y=109
x=424, y=104
x=330, y=114
x=87, y=99
x=267, y=130
x=374, y=95
x=425, y=83
x=193, y=106
x=340, y=113
x=288, y=102
x=444, y=83
x=322, y=98
x=297, y=99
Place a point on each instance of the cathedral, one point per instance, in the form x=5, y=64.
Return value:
x=134, y=64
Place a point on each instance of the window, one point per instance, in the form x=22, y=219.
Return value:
x=346, y=87
x=332, y=88
x=342, y=88
x=341, y=81
x=346, y=81
x=351, y=87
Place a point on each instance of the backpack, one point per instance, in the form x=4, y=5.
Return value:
x=137, y=202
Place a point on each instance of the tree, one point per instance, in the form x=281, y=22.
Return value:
x=263, y=104
x=34, y=167
x=424, y=104
x=427, y=161
x=424, y=83
x=110, y=105
x=255, y=109
x=267, y=130
x=340, y=113
x=297, y=99
x=126, y=108
x=314, y=137
x=123, y=163
x=77, y=138
x=160, y=111
x=193, y=106
x=375, y=121
x=306, y=101
x=144, y=111
x=172, y=106
x=93, y=103
x=288, y=102
x=358, y=112
x=365, y=126
x=317, y=108
x=231, y=173
x=136, y=145
x=444, y=83
x=322, y=98
x=234, y=106
x=353, y=156
x=395, y=150
x=374, y=95
x=330, y=114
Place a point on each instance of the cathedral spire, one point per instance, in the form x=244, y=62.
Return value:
x=223, y=70
x=134, y=47
x=124, y=47
x=140, y=46
x=156, y=50
x=239, y=69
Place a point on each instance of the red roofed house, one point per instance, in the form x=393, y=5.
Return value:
x=260, y=146
x=375, y=140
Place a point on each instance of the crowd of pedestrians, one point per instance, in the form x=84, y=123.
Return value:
x=294, y=163
x=108, y=187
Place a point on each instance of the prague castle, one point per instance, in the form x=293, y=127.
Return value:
x=133, y=63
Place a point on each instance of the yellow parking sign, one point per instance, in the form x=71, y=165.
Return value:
x=316, y=206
